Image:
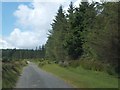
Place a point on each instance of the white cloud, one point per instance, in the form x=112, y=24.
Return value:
x=32, y=22
x=25, y=39
x=35, y=21
x=4, y=44
x=37, y=14
x=76, y=3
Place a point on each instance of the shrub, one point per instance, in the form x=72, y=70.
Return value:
x=97, y=66
x=92, y=65
x=74, y=63
x=10, y=73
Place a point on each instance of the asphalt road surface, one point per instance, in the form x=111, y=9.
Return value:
x=34, y=77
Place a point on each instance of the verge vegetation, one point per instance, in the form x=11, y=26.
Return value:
x=10, y=73
x=78, y=76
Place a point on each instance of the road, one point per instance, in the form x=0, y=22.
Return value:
x=34, y=77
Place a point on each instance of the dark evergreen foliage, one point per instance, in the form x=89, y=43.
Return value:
x=88, y=31
x=18, y=54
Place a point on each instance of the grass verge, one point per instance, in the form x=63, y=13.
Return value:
x=82, y=78
x=10, y=73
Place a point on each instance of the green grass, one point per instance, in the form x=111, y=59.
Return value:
x=11, y=72
x=82, y=78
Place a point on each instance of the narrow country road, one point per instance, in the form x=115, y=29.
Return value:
x=34, y=77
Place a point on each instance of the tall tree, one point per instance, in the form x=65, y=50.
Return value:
x=56, y=40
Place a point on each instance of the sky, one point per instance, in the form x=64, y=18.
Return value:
x=25, y=25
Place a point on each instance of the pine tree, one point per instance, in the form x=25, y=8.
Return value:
x=56, y=39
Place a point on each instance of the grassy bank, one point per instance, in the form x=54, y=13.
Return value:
x=82, y=78
x=0, y=74
x=10, y=73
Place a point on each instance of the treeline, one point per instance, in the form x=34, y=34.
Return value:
x=87, y=33
x=18, y=54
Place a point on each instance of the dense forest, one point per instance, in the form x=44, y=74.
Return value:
x=88, y=34
x=19, y=54
x=86, y=37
